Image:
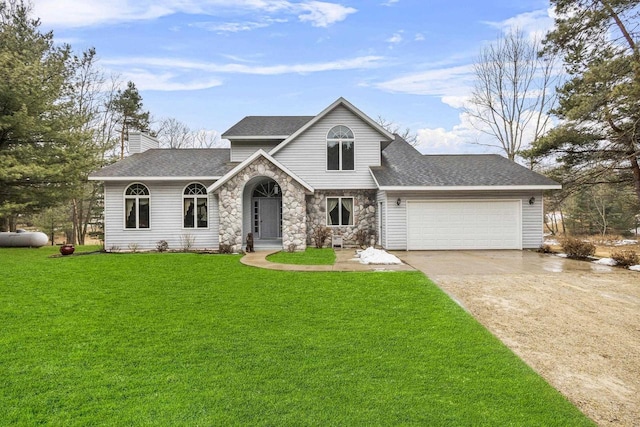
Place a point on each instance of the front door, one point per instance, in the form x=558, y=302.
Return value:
x=269, y=214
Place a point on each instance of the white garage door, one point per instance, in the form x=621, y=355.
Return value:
x=465, y=224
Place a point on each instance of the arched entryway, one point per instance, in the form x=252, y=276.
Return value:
x=263, y=215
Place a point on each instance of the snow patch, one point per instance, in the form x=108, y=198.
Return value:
x=563, y=255
x=625, y=242
x=372, y=255
x=552, y=242
x=606, y=261
x=635, y=267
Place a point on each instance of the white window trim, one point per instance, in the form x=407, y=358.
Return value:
x=137, y=199
x=195, y=197
x=326, y=151
x=340, y=198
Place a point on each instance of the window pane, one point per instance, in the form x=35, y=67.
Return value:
x=202, y=212
x=137, y=190
x=347, y=211
x=130, y=212
x=195, y=189
x=333, y=155
x=188, y=208
x=347, y=155
x=333, y=211
x=143, y=215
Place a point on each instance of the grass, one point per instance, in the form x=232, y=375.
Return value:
x=311, y=256
x=188, y=339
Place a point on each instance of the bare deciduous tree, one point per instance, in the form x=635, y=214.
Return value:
x=172, y=133
x=513, y=92
x=406, y=134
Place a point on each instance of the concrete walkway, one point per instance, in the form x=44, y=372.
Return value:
x=344, y=262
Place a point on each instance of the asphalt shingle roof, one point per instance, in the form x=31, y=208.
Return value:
x=201, y=162
x=403, y=165
x=267, y=126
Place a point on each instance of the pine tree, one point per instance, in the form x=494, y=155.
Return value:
x=131, y=116
x=599, y=141
x=33, y=132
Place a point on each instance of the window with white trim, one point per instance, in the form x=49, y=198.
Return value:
x=339, y=211
x=195, y=206
x=340, y=149
x=136, y=206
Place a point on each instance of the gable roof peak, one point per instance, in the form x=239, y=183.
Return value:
x=338, y=102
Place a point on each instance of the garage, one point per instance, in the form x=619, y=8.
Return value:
x=464, y=224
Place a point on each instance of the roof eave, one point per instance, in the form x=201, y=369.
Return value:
x=373, y=175
x=469, y=187
x=254, y=137
x=153, y=178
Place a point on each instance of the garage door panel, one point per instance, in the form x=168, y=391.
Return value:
x=464, y=225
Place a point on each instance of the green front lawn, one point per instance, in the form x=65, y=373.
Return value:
x=310, y=256
x=188, y=339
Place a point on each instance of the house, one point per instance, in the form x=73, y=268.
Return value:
x=285, y=176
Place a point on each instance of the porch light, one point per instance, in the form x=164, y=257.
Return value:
x=398, y=202
x=276, y=190
x=532, y=200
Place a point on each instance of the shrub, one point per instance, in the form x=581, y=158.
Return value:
x=362, y=237
x=320, y=235
x=162, y=246
x=224, y=249
x=186, y=242
x=545, y=249
x=625, y=257
x=133, y=247
x=576, y=248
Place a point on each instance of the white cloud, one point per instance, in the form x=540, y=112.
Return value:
x=418, y=37
x=448, y=81
x=187, y=65
x=461, y=138
x=534, y=24
x=146, y=80
x=167, y=74
x=231, y=27
x=323, y=14
x=395, y=38
x=72, y=13
x=390, y=2
x=470, y=135
x=456, y=101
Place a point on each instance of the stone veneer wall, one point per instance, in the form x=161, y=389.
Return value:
x=294, y=226
x=364, y=214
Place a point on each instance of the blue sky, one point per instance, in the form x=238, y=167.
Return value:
x=209, y=63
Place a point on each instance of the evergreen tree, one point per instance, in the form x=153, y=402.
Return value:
x=33, y=127
x=599, y=141
x=131, y=116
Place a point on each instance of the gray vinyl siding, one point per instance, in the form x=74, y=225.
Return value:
x=306, y=156
x=240, y=150
x=396, y=219
x=166, y=218
x=140, y=142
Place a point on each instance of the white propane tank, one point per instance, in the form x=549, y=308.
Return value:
x=33, y=239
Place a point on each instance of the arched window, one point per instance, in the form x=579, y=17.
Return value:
x=340, y=149
x=136, y=206
x=195, y=206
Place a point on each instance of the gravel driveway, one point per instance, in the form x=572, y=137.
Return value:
x=576, y=323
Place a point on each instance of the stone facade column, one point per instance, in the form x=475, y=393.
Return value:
x=294, y=212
